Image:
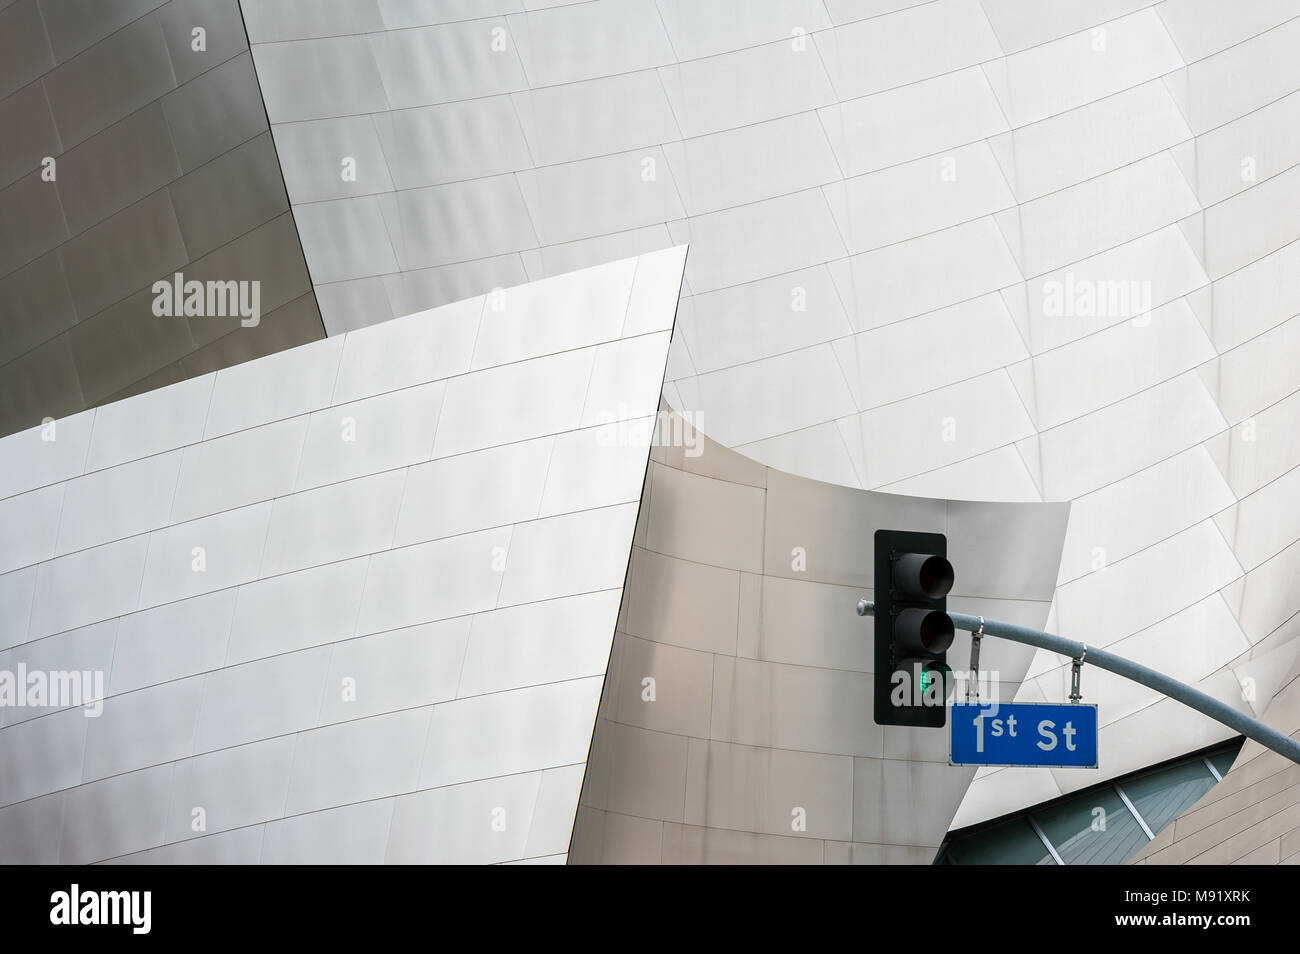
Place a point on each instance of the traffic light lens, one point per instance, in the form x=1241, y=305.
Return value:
x=923, y=576
x=936, y=577
x=924, y=631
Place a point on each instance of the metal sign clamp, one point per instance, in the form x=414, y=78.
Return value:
x=1076, y=667
x=974, y=677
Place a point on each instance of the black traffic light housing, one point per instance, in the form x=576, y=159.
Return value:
x=913, y=629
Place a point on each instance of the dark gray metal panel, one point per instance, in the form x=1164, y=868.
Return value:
x=224, y=35
x=24, y=50
x=169, y=167
x=247, y=178
x=32, y=222
x=215, y=112
x=125, y=343
x=108, y=172
x=27, y=131
x=40, y=384
x=35, y=305
x=286, y=327
x=76, y=25
x=110, y=80
x=140, y=244
x=174, y=373
x=269, y=254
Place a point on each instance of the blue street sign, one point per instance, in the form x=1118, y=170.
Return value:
x=1024, y=733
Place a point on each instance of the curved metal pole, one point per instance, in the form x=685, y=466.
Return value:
x=1193, y=698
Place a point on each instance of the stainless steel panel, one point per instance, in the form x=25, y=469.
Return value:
x=230, y=543
x=17, y=590
x=215, y=112
x=287, y=327
x=353, y=304
x=114, y=78
x=539, y=643
x=31, y=223
x=238, y=469
x=110, y=171
x=486, y=488
x=88, y=586
x=352, y=835
x=125, y=343
x=176, y=418
x=598, y=196
x=262, y=699
x=447, y=825
x=269, y=254
x=436, y=144
x=35, y=305
x=31, y=831
x=137, y=802
x=385, y=432
x=449, y=223
x=411, y=350
x=164, y=377
x=577, y=120
x=312, y=156
x=119, y=502
x=345, y=238
x=171, y=641
x=273, y=20
x=219, y=784
x=313, y=79
x=41, y=756
x=241, y=847
x=76, y=25
x=398, y=14
x=438, y=64
x=115, y=258
x=292, y=383
x=27, y=130
x=42, y=383
x=403, y=669
x=581, y=41
x=247, y=179
x=224, y=34
x=24, y=49
x=330, y=523
x=286, y=613
x=426, y=288
x=28, y=525
x=356, y=761
x=140, y=729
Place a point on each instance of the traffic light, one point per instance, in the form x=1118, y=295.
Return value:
x=913, y=629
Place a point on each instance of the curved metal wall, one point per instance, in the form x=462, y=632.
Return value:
x=963, y=249
x=352, y=602
x=736, y=722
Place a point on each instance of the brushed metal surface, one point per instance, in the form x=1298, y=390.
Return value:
x=131, y=155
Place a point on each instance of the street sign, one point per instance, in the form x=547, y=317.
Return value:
x=1024, y=733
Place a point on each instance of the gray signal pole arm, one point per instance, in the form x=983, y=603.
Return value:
x=1194, y=698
